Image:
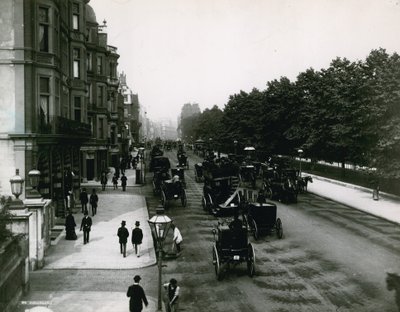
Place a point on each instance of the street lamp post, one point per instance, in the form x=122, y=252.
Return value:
x=34, y=176
x=160, y=224
x=300, y=151
x=16, y=189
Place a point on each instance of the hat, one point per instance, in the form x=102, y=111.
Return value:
x=123, y=222
x=137, y=223
x=137, y=278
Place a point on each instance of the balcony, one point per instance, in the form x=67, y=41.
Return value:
x=61, y=125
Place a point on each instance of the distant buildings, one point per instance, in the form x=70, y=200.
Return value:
x=63, y=109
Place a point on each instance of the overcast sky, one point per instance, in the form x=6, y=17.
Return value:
x=180, y=51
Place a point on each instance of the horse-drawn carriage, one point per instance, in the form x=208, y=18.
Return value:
x=281, y=184
x=198, y=172
x=180, y=173
x=199, y=147
x=219, y=191
x=173, y=189
x=154, y=153
x=261, y=218
x=160, y=166
x=231, y=247
x=183, y=160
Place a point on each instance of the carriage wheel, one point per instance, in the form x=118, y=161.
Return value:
x=255, y=230
x=210, y=202
x=204, y=203
x=251, y=261
x=217, y=264
x=154, y=188
x=279, y=228
x=163, y=199
x=183, y=198
x=246, y=222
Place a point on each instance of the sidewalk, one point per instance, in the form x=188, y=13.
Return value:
x=387, y=207
x=102, y=251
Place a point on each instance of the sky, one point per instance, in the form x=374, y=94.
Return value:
x=202, y=51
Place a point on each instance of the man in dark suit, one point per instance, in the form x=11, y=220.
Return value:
x=123, y=234
x=84, y=198
x=123, y=182
x=137, y=296
x=86, y=225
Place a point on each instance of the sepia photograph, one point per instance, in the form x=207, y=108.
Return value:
x=200, y=155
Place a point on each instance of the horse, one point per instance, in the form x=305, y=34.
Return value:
x=393, y=283
x=303, y=182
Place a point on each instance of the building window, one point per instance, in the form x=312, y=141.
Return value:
x=77, y=62
x=57, y=96
x=99, y=65
x=90, y=93
x=43, y=29
x=100, y=96
x=89, y=61
x=77, y=108
x=101, y=133
x=90, y=122
x=56, y=44
x=75, y=16
x=44, y=100
x=113, y=136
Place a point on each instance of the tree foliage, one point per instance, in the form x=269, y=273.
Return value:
x=348, y=112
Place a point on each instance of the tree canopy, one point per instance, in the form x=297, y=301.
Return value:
x=348, y=112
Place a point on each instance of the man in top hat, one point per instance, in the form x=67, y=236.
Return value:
x=137, y=237
x=123, y=235
x=86, y=226
x=137, y=296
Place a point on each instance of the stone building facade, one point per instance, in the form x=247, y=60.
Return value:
x=59, y=96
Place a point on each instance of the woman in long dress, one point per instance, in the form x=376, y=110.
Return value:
x=70, y=227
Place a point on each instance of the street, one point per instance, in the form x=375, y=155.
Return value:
x=331, y=258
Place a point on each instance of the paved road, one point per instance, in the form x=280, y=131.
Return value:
x=332, y=258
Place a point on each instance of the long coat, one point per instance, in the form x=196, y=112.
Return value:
x=123, y=235
x=137, y=298
x=137, y=236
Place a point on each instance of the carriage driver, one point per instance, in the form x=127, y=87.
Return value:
x=236, y=224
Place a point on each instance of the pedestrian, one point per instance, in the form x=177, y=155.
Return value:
x=86, y=226
x=123, y=182
x=115, y=181
x=103, y=180
x=123, y=235
x=70, y=227
x=177, y=239
x=173, y=291
x=137, y=237
x=84, y=198
x=94, y=200
x=137, y=296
